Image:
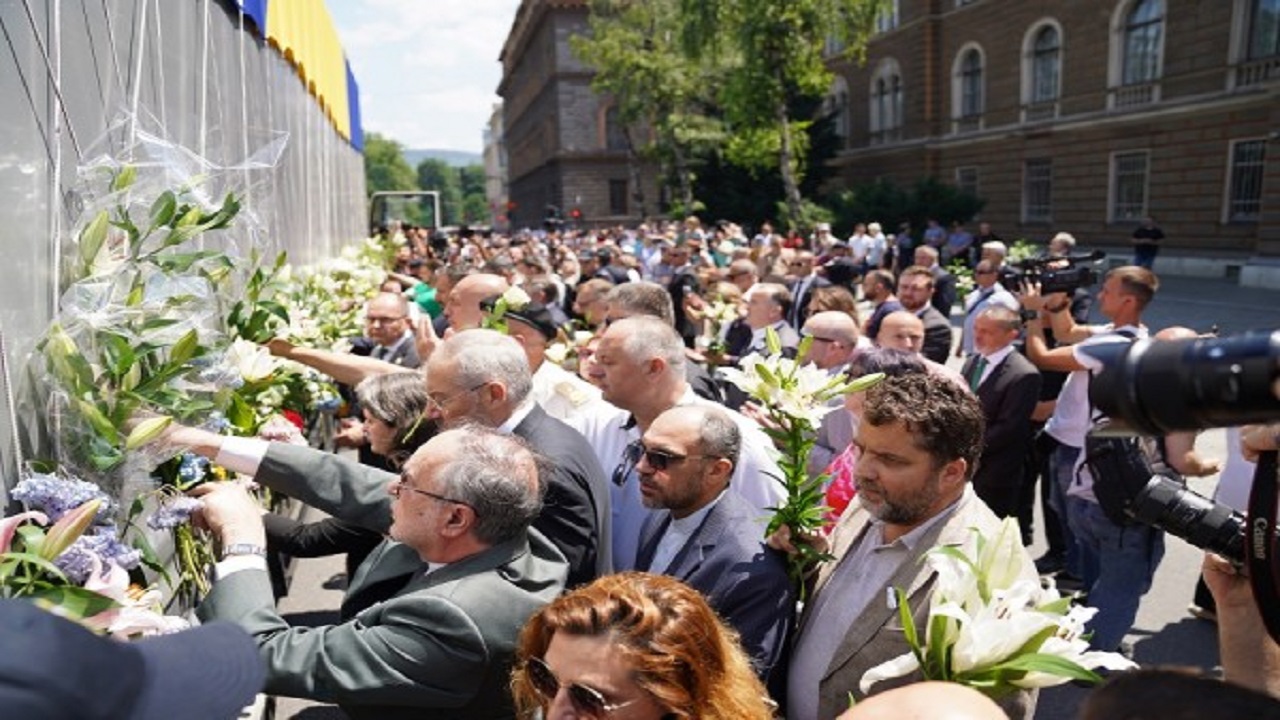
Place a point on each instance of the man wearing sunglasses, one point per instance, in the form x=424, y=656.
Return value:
x=707, y=536
x=469, y=569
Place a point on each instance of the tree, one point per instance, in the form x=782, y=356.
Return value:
x=438, y=175
x=782, y=58
x=385, y=168
x=657, y=90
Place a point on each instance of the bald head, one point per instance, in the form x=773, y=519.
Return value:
x=901, y=330
x=1177, y=332
x=927, y=701
x=835, y=339
x=463, y=308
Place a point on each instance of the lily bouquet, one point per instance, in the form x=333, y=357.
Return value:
x=718, y=314
x=992, y=626
x=794, y=397
x=496, y=317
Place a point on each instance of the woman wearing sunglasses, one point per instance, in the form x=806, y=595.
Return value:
x=634, y=646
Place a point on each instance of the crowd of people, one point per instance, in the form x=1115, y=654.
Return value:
x=587, y=540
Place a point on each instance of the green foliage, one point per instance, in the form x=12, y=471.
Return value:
x=810, y=215
x=884, y=202
x=385, y=168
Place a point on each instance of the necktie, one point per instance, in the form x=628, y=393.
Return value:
x=380, y=352
x=975, y=377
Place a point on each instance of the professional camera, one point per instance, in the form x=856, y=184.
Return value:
x=1055, y=274
x=1158, y=387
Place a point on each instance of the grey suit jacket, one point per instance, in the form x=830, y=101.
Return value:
x=440, y=648
x=877, y=636
x=937, y=335
x=743, y=580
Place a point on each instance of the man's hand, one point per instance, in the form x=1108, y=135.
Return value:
x=425, y=338
x=350, y=434
x=1257, y=439
x=785, y=539
x=280, y=347
x=228, y=511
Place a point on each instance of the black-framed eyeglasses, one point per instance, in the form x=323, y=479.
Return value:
x=439, y=402
x=586, y=701
x=401, y=484
x=379, y=320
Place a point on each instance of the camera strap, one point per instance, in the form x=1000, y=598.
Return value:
x=1260, y=547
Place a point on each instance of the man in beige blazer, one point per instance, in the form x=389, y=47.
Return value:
x=919, y=438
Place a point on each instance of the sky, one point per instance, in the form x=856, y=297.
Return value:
x=428, y=70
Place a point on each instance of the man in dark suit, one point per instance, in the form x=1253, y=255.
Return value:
x=482, y=377
x=944, y=283
x=386, y=321
x=800, y=267
x=1008, y=386
x=915, y=292
x=710, y=538
x=468, y=569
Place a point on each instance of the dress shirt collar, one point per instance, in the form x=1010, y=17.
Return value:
x=517, y=417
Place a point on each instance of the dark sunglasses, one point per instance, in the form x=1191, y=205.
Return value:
x=586, y=701
x=657, y=459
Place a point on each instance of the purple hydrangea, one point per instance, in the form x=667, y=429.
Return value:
x=56, y=496
x=216, y=422
x=173, y=512
x=76, y=562
x=329, y=404
x=192, y=469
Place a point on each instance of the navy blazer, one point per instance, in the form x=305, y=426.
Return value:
x=742, y=579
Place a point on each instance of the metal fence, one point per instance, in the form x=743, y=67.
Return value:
x=198, y=70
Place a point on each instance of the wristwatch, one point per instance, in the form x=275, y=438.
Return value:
x=243, y=549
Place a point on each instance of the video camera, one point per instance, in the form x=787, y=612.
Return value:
x=1055, y=274
x=1158, y=387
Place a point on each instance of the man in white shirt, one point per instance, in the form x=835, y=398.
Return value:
x=640, y=368
x=987, y=291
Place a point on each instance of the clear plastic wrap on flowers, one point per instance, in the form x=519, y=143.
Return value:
x=153, y=268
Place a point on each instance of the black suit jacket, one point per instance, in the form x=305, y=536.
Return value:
x=944, y=291
x=575, y=514
x=937, y=335
x=743, y=579
x=1008, y=396
x=801, y=297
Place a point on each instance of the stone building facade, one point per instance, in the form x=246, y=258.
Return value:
x=564, y=145
x=1083, y=116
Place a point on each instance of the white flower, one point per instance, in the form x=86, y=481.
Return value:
x=558, y=353
x=252, y=360
x=515, y=298
x=582, y=337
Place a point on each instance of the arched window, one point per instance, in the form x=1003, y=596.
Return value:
x=1046, y=65
x=1143, y=42
x=970, y=83
x=886, y=102
x=837, y=106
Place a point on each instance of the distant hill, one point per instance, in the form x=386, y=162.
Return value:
x=455, y=158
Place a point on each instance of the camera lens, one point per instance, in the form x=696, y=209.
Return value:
x=1209, y=525
x=1158, y=387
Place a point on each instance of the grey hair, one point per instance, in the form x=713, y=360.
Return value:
x=1065, y=238
x=490, y=473
x=645, y=338
x=642, y=298
x=996, y=246
x=398, y=399
x=718, y=435
x=488, y=356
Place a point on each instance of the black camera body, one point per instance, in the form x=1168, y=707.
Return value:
x=1055, y=274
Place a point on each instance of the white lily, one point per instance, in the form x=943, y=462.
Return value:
x=557, y=353
x=904, y=664
x=252, y=360
x=516, y=298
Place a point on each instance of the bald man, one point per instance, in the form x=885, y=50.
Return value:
x=463, y=307
x=902, y=330
x=835, y=340
x=926, y=701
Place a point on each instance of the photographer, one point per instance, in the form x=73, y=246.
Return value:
x=1116, y=560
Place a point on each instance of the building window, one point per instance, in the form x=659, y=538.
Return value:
x=1129, y=186
x=1244, y=199
x=1264, y=29
x=1046, y=65
x=618, y=197
x=970, y=82
x=887, y=19
x=615, y=137
x=967, y=180
x=837, y=106
x=886, y=102
x=1143, y=42
x=1037, y=191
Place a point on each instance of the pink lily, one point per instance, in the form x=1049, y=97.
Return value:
x=68, y=528
x=9, y=526
x=134, y=616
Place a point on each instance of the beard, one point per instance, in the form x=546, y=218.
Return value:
x=907, y=509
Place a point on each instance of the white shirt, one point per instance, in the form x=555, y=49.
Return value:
x=563, y=395
x=1081, y=485
x=610, y=431
x=677, y=535
x=860, y=246
x=993, y=360
x=1070, y=420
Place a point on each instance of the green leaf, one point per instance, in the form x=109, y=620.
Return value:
x=241, y=414
x=92, y=237
x=163, y=208
x=29, y=558
x=1048, y=664
x=98, y=421
x=865, y=382
x=76, y=602
x=185, y=348
x=772, y=342
x=125, y=178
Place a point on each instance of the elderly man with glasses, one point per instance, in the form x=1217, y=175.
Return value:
x=468, y=569
x=986, y=293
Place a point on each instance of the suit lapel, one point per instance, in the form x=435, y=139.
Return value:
x=654, y=526
x=703, y=540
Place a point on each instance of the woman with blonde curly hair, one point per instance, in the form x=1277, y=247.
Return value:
x=634, y=646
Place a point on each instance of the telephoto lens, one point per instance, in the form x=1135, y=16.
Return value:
x=1168, y=504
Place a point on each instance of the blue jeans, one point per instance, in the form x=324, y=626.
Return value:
x=1062, y=467
x=1119, y=562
